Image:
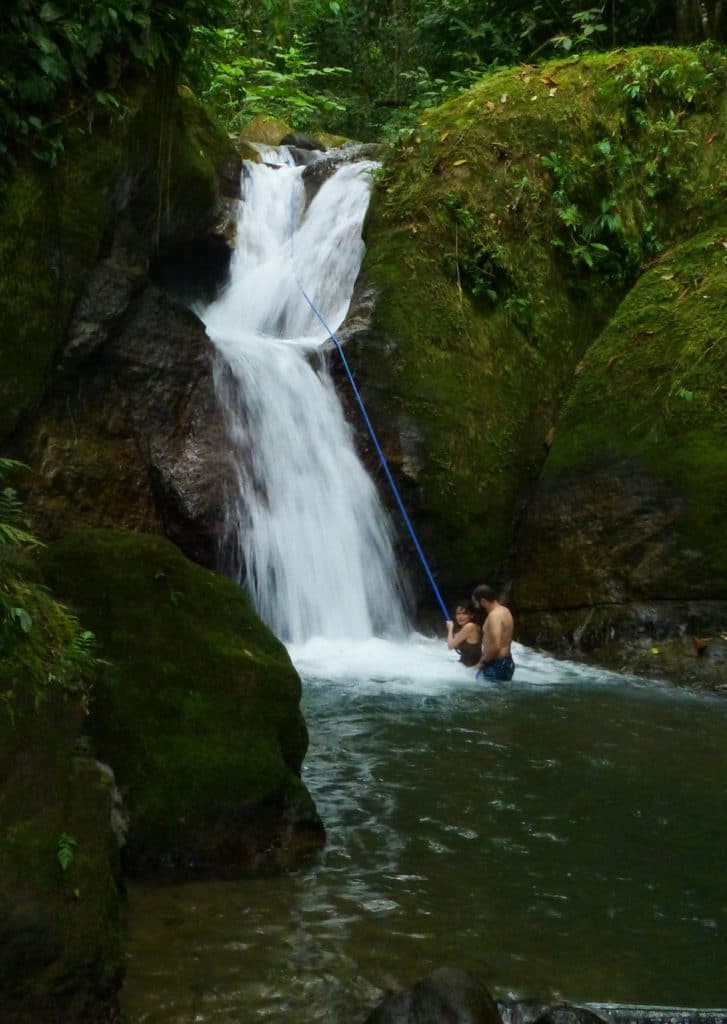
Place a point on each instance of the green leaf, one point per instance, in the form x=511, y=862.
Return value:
x=22, y=618
x=49, y=12
x=15, y=536
x=66, y=850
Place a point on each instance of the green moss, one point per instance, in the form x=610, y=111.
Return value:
x=51, y=225
x=265, y=129
x=651, y=390
x=165, y=156
x=502, y=236
x=59, y=929
x=198, y=709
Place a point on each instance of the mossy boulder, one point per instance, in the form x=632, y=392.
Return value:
x=60, y=949
x=265, y=129
x=197, y=711
x=121, y=422
x=625, y=538
x=502, y=235
x=162, y=169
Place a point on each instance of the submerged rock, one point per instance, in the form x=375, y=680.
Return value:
x=446, y=995
x=568, y=1014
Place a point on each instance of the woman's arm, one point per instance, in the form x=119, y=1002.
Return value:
x=468, y=633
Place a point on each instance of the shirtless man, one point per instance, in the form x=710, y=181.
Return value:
x=496, y=661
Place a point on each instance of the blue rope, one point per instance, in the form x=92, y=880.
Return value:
x=369, y=425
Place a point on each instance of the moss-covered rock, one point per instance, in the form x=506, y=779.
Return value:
x=265, y=129
x=60, y=951
x=502, y=235
x=197, y=711
x=51, y=226
x=629, y=514
x=123, y=352
x=162, y=167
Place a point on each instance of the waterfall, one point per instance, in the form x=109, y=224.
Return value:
x=311, y=541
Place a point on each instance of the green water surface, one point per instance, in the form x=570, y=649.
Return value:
x=565, y=840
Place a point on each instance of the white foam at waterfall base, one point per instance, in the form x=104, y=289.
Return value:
x=311, y=537
x=423, y=666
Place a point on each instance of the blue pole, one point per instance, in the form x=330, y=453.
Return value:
x=369, y=425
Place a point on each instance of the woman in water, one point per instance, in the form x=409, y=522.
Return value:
x=467, y=640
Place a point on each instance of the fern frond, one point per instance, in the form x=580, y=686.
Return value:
x=16, y=537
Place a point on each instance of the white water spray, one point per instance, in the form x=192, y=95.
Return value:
x=312, y=538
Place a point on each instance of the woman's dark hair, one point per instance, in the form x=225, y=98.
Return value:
x=467, y=605
x=471, y=608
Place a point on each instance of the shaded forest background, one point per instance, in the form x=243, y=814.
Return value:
x=362, y=68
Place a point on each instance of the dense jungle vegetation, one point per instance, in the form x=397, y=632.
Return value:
x=360, y=67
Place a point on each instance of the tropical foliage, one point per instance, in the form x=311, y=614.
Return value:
x=42, y=645
x=63, y=61
x=359, y=66
x=403, y=55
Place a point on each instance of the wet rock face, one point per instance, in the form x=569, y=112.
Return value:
x=136, y=440
x=127, y=431
x=605, y=535
x=320, y=169
x=604, y=572
x=447, y=995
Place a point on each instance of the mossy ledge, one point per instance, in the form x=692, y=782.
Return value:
x=197, y=710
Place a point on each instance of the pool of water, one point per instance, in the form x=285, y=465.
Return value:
x=564, y=834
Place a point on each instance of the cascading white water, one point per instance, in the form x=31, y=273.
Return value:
x=313, y=540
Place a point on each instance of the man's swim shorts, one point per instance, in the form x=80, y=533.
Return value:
x=499, y=668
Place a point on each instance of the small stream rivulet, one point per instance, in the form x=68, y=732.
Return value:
x=563, y=834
